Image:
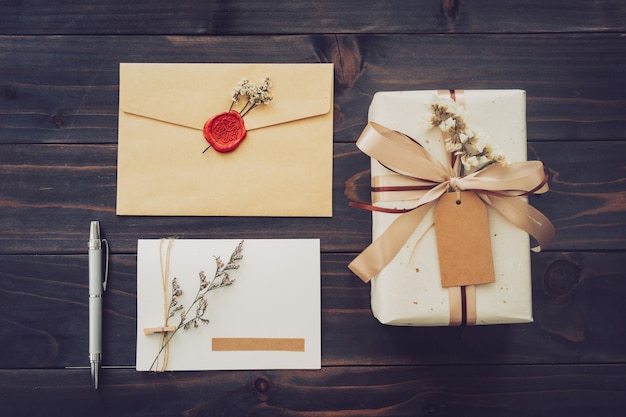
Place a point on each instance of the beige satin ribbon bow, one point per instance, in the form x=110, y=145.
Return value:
x=424, y=179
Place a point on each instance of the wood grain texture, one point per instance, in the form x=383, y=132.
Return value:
x=577, y=307
x=57, y=189
x=350, y=391
x=65, y=89
x=39, y=181
x=58, y=143
x=245, y=17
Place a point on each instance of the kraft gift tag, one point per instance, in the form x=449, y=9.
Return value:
x=463, y=240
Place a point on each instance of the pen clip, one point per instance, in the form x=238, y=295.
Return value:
x=106, y=264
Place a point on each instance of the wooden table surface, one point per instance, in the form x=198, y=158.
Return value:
x=58, y=150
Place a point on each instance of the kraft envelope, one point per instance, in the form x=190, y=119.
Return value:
x=269, y=318
x=282, y=168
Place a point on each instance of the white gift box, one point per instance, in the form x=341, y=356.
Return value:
x=408, y=291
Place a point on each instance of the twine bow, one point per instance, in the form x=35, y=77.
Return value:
x=423, y=179
x=165, y=331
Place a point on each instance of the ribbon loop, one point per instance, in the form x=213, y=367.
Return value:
x=401, y=154
x=423, y=179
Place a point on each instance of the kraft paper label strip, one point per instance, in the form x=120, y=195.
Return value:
x=257, y=344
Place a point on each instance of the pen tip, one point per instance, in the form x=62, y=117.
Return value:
x=94, y=374
x=95, y=227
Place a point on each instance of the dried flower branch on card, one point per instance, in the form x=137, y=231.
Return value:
x=194, y=314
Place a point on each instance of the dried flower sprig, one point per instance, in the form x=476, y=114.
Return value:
x=467, y=143
x=256, y=94
x=221, y=278
x=225, y=131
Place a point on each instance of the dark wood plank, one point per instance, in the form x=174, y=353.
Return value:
x=578, y=306
x=49, y=193
x=569, y=79
x=320, y=16
x=58, y=135
x=587, y=213
x=65, y=89
x=351, y=391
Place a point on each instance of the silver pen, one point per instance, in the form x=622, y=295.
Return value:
x=97, y=286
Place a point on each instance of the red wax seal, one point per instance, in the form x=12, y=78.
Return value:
x=225, y=131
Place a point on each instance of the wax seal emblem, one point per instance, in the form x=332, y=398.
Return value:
x=226, y=131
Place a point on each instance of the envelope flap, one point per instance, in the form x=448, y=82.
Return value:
x=189, y=94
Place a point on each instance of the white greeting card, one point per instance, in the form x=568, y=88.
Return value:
x=254, y=306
